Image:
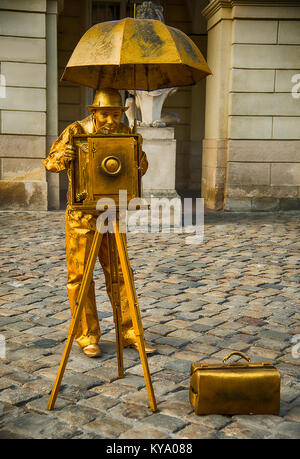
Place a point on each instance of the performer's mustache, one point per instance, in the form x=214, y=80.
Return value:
x=107, y=128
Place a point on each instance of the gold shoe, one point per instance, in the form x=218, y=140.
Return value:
x=148, y=348
x=92, y=350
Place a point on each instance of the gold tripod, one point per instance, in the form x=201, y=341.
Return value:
x=117, y=248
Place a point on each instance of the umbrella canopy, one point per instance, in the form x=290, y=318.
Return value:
x=141, y=54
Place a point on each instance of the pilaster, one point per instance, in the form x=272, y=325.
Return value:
x=251, y=147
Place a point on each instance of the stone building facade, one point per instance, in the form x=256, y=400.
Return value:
x=238, y=137
x=251, y=150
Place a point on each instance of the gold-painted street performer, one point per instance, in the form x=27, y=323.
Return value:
x=106, y=115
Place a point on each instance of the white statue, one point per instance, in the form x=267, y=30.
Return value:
x=149, y=108
x=150, y=10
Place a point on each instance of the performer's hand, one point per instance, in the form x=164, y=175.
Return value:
x=69, y=154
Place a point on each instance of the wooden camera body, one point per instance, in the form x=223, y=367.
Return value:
x=104, y=165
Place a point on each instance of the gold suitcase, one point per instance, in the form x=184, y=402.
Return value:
x=238, y=388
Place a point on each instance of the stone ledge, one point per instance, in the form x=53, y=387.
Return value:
x=23, y=195
x=16, y=169
x=262, y=204
x=237, y=204
x=262, y=191
x=264, y=9
x=151, y=133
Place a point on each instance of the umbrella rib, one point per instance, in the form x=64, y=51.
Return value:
x=191, y=73
x=121, y=47
x=174, y=42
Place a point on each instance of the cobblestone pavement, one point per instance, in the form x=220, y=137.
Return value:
x=238, y=290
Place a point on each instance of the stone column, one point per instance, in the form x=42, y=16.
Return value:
x=52, y=98
x=23, y=108
x=251, y=157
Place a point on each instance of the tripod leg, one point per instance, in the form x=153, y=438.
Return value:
x=116, y=303
x=85, y=283
x=135, y=312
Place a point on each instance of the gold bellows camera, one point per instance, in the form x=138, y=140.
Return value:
x=104, y=165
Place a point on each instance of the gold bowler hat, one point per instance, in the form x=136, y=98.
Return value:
x=107, y=98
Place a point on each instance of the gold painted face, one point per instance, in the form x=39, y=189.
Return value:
x=108, y=119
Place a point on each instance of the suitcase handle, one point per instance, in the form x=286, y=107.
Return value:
x=236, y=353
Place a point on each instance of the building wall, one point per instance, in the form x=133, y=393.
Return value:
x=264, y=153
x=251, y=148
x=188, y=102
x=72, y=24
x=23, y=104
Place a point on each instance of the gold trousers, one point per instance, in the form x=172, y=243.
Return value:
x=80, y=230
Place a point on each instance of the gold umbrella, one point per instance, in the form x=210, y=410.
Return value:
x=140, y=54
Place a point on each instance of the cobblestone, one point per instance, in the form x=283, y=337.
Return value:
x=238, y=290
x=163, y=422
